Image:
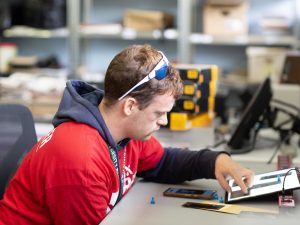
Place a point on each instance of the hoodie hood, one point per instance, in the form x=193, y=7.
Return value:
x=80, y=104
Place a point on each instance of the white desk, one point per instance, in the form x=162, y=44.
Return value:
x=135, y=207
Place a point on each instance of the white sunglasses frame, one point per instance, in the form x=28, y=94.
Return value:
x=163, y=61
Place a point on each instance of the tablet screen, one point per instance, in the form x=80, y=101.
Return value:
x=265, y=183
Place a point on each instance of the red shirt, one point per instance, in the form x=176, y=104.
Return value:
x=69, y=178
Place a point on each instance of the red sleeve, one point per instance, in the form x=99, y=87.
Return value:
x=150, y=154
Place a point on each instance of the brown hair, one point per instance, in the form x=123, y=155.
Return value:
x=130, y=66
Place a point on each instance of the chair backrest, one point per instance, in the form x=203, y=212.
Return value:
x=17, y=137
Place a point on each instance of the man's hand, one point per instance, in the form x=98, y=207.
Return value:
x=225, y=167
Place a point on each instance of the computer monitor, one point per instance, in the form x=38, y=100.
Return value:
x=255, y=109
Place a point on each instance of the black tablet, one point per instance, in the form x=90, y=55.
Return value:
x=265, y=183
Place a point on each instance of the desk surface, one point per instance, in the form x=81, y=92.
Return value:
x=135, y=207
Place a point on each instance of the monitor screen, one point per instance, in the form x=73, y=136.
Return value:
x=258, y=104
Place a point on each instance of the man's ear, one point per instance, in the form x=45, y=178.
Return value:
x=130, y=106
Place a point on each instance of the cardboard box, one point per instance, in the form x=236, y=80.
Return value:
x=265, y=61
x=225, y=19
x=147, y=20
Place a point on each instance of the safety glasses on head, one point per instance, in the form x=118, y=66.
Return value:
x=159, y=72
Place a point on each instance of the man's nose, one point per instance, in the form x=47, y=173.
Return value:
x=163, y=120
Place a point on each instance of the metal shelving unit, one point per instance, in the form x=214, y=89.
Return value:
x=186, y=38
x=184, y=35
x=292, y=40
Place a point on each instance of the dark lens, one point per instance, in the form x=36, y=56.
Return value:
x=161, y=73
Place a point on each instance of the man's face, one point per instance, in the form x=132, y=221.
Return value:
x=145, y=122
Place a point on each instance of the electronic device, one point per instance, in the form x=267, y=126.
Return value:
x=264, y=184
x=285, y=199
x=189, y=193
x=258, y=105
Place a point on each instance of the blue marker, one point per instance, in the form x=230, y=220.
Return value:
x=152, y=202
x=221, y=200
x=216, y=197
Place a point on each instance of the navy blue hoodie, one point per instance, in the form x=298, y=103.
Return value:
x=80, y=104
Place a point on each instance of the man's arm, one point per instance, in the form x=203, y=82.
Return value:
x=179, y=165
x=175, y=165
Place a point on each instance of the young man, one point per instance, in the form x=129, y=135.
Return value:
x=102, y=141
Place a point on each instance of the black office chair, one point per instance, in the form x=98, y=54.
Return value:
x=17, y=137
